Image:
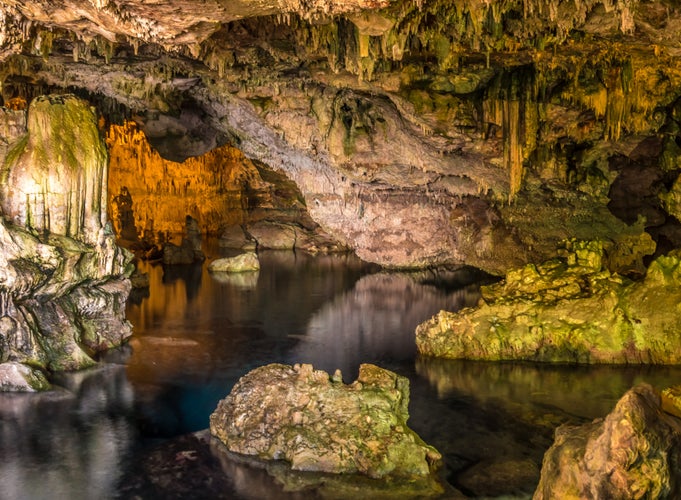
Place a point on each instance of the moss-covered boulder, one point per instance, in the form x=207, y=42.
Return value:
x=567, y=310
x=633, y=453
x=17, y=377
x=317, y=423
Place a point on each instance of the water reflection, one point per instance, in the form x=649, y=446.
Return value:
x=195, y=334
x=374, y=322
x=67, y=444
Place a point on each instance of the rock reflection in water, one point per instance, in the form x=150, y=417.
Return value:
x=374, y=322
x=67, y=444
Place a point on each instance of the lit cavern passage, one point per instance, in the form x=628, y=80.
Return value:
x=228, y=195
x=150, y=196
x=444, y=183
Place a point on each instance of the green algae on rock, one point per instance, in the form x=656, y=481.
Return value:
x=63, y=280
x=317, y=423
x=569, y=310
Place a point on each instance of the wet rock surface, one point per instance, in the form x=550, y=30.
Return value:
x=246, y=262
x=633, y=453
x=571, y=310
x=63, y=281
x=315, y=423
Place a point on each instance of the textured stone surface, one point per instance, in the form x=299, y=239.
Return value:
x=317, y=423
x=235, y=237
x=571, y=310
x=633, y=453
x=55, y=176
x=241, y=263
x=16, y=377
x=63, y=280
x=409, y=127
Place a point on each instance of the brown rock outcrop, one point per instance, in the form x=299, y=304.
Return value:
x=634, y=452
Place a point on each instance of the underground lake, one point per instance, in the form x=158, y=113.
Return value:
x=125, y=428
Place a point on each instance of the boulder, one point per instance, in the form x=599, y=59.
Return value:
x=317, y=423
x=244, y=262
x=17, y=377
x=178, y=254
x=634, y=452
x=567, y=310
x=189, y=251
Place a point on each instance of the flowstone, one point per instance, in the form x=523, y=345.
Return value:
x=318, y=424
x=567, y=310
x=63, y=280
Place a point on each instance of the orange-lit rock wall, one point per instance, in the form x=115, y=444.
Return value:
x=210, y=188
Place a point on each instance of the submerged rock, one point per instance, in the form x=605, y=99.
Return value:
x=317, y=423
x=633, y=453
x=244, y=262
x=567, y=310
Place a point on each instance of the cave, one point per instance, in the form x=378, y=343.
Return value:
x=481, y=197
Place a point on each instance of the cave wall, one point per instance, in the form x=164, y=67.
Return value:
x=210, y=187
x=419, y=133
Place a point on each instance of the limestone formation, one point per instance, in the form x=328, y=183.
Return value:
x=634, y=452
x=63, y=280
x=418, y=133
x=571, y=310
x=55, y=176
x=17, y=377
x=317, y=423
x=245, y=262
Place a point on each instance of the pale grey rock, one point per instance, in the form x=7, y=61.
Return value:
x=244, y=262
x=17, y=377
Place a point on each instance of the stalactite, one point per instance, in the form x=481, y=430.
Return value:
x=210, y=188
x=513, y=153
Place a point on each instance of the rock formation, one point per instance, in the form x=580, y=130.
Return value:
x=419, y=133
x=571, y=310
x=318, y=424
x=244, y=262
x=633, y=453
x=63, y=280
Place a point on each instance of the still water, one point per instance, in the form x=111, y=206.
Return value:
x=115, y=431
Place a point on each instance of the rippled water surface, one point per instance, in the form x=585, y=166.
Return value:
x=113, y=432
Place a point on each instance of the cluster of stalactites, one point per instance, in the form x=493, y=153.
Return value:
x=211, y=187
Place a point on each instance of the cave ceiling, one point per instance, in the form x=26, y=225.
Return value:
x=420, y=132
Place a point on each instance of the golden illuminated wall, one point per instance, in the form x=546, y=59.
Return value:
x=210, y=188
